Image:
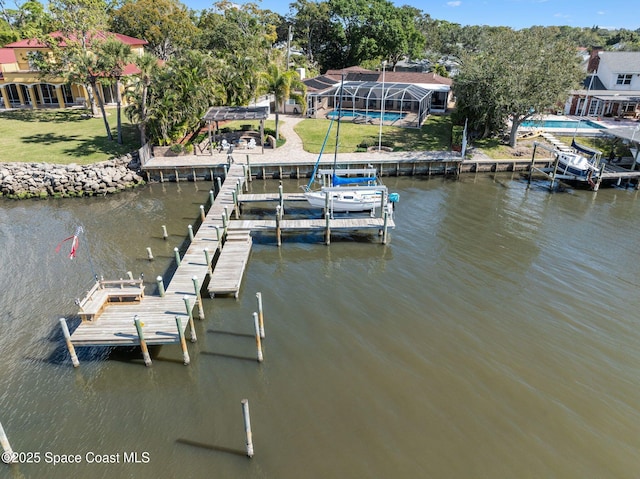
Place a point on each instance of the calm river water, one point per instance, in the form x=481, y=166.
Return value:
x=495, y=336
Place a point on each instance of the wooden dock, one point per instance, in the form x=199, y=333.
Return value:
x=109, y=309
x=115, y=326
x=229, y=270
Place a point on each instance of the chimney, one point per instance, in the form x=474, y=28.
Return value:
x=594, y=59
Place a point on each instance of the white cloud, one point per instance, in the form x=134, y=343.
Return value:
x=601, y=12
x=455, y=3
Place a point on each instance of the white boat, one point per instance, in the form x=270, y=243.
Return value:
x=576, y=165
x=347, y=190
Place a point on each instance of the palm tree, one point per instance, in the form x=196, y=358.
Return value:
x=137, y=111
x=283, y=85
x=115, y=56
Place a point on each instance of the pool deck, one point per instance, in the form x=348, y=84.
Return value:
x=605, y=123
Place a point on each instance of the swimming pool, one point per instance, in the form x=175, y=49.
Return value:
x=388, y=115
x=568, y=124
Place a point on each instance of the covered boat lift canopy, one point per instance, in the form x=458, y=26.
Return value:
x=630, y=134
x=216, y=114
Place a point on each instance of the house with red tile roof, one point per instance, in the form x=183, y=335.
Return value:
x=22, y=85
x=409, y=97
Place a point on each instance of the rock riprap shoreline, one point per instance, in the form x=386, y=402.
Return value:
x=42, y=180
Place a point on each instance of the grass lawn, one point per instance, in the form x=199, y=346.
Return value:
x=62, y=137
x=434, y=135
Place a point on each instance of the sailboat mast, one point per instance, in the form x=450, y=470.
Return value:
x=335, y=153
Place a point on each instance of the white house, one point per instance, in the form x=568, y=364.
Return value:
x=612, y=87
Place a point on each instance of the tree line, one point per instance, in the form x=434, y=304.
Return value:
x=230, y=54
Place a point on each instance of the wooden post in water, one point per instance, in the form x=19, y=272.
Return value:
x=260, y=314
x=190, y=228
x=533, y=162
x=327, y=233
x=385, y=227
x=555, y=169
x=183, y=344
x=176, y=252
x=165, y=235
x=191, y=324
x=249, y=178
x=203, y=217
x=212, y=198
x=143, y=343
x=67, y=339
x=256, y=324
x=244, y=175
x=218, y=183
x=281, y=198
x=208, y=260
x=149, y=254
x=160, y=286
x=278, y=232
x=247, y=426
x=196, y=287
x=234, y=196
x=218, y=237
x=8, y=455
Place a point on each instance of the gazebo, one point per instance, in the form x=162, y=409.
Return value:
x=216, y=114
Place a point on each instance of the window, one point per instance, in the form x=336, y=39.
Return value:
x=624, y=79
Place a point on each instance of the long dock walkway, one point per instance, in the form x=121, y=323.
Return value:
x=115, y=325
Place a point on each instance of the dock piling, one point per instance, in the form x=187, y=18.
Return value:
x=190, y=228
x=160, y=286
x=256, y=324
x=143, y=343
x=192, y=326
x=165, y=235
x=278, y=231
x=260, y=314
x=202, y=215
x=247, y=426
x=212, y=197
x=207, y=258
x=8, y=455
x=385, y=227
x=176, y=252
x=218, y=183
x=67, y=338
x=183, y=344
x=149, y=254
x=196, y=287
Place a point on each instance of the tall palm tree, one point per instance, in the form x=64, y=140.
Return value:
x=283, y=85
x=115, y=56
x=137, y=111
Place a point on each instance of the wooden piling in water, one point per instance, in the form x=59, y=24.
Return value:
x=160, y=286
x=165, y=235
x=327, y=234
x=149, y=254
x=183, y=344
x=192, y=326
x=176, y=252
x=247, y=426
x=202, y=215
x=385, y=227
x=256, y=324
x=143, y=343
x=207, y=258
x=67, y=339
x=8, y=454
x=212, y=197
x=278, y=230
x=260, y=314
x=196, y=287
x=190, y=228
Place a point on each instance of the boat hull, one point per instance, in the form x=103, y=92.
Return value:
x=348, y=200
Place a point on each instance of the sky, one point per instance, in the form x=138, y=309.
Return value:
x=610, y=14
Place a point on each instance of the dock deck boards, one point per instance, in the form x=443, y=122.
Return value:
x=229, y=271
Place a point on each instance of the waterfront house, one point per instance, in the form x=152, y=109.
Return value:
x=611, y=88
x=22, y=84
x=410, y=95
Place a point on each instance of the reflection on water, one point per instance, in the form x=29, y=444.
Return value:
x=496, y=335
